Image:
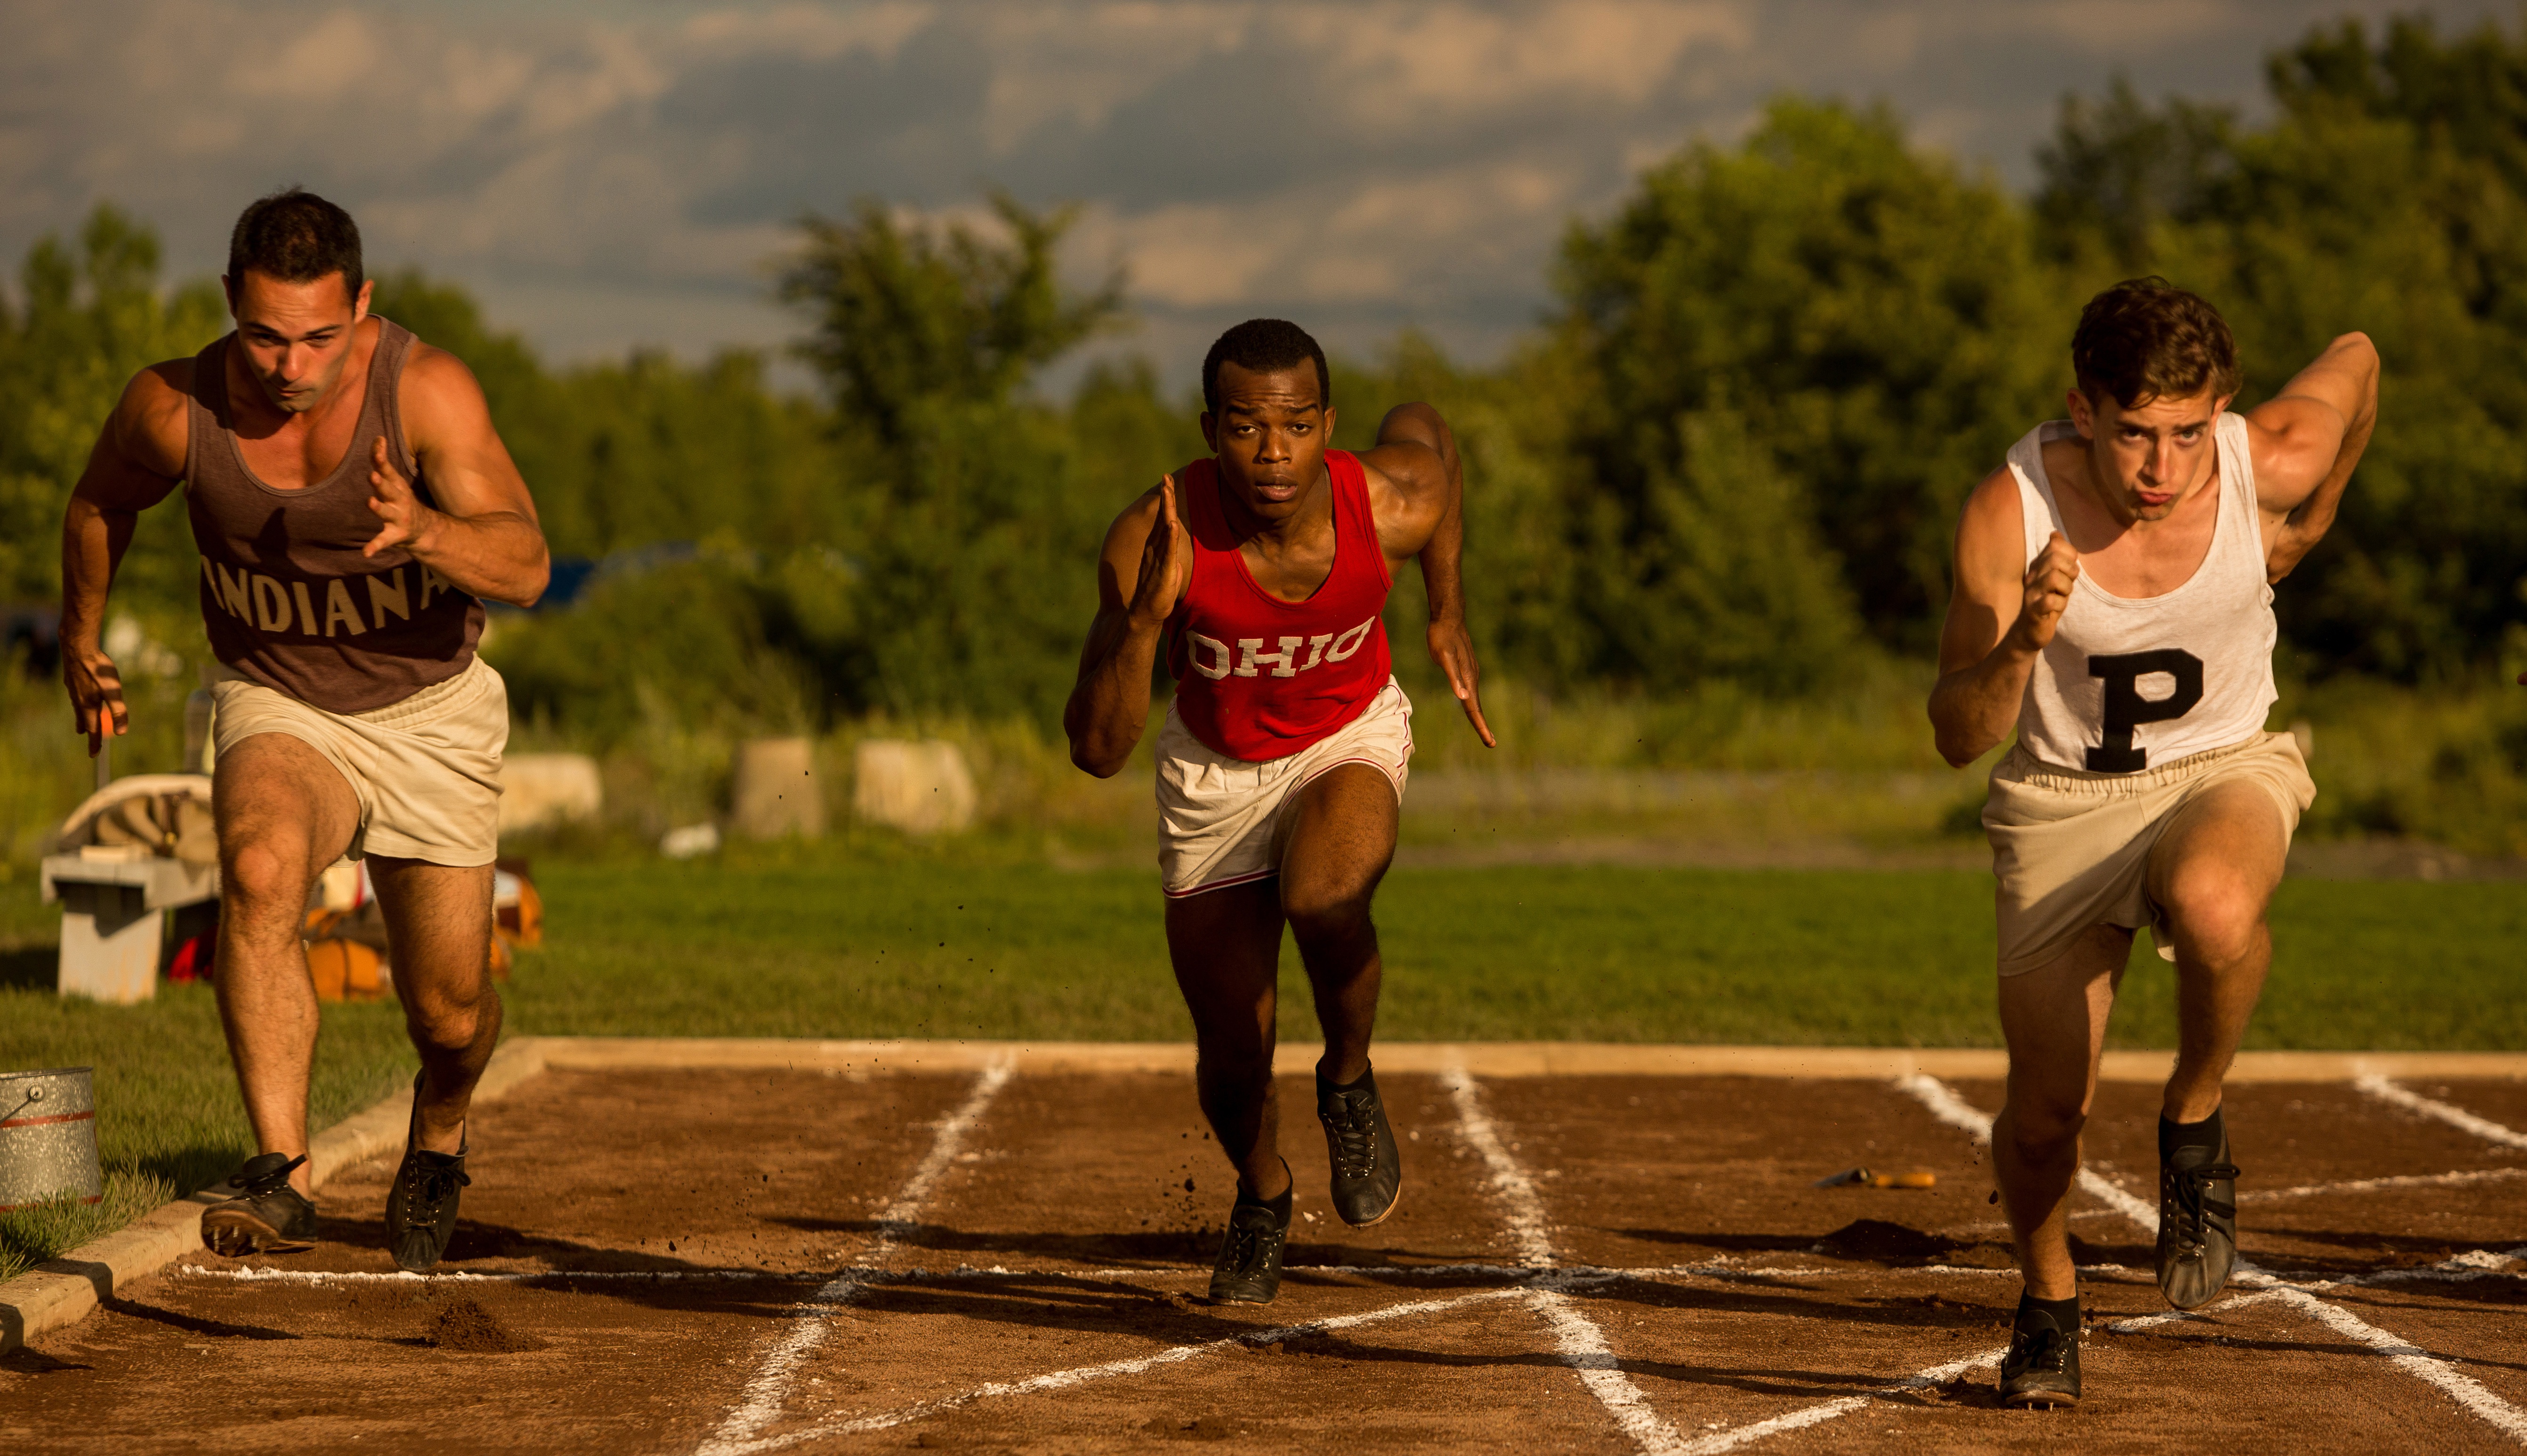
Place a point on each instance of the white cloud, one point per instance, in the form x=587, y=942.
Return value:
x=1378, y=162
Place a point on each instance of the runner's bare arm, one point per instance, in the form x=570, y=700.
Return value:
x=2306, y=440
x=1141, y=574
x=481, y=531
x=1416, y=455
x=138, y=457
x=1999, y=618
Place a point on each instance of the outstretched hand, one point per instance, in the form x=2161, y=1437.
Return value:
x=1454, y=651
x=1167, y=562
x=95, y=686
x=391, y=497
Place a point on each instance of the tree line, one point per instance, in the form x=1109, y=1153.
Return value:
x=1735, y=450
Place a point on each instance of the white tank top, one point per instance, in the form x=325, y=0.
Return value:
x=2137, y=683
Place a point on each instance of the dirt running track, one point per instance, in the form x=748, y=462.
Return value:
x=722, y=1262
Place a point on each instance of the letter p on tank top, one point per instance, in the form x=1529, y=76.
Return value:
x=287, y=599
x=1259, y=679
x=2137, y=683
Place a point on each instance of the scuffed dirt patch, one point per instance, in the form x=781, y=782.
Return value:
x=469, y=1327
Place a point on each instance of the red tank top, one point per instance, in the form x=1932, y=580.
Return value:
x=1257, y=677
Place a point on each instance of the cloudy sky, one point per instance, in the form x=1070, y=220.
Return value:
x=605, y=176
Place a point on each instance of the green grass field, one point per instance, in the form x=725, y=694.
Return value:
x=844, y=942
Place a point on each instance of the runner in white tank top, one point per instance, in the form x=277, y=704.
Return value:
x=2113, y=604
x=2133, y=682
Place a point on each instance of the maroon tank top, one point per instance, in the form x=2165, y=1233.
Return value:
x=286, y=597
x=1257, y=677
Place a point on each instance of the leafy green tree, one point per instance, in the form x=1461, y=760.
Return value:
x=2117, y=169
x=2390, y=196
x=982, y=526
x=908, y=317
x=1868, y=317
x=84, y=324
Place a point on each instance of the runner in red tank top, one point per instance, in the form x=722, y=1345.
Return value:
x=1261, y=571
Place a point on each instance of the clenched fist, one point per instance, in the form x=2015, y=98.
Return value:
x=2048, y=591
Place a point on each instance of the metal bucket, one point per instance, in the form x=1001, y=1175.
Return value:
x=48, y=1137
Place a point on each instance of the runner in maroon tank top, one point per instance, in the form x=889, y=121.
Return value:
x=354, y=506
x=1261, y=571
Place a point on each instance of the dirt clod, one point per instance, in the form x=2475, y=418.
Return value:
x=1200, y=1429
x=470, y=1327
x=1876, y=1241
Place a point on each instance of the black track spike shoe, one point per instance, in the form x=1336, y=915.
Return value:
x=421, y=1207
x=1368, y=1169
x=2042, y=1365
x=262, y=1214
x=2198, y=1224
x=1248, y=1268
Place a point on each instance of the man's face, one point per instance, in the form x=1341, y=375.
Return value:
x=295, y=337
x=1269, y=436
x=2148, y=459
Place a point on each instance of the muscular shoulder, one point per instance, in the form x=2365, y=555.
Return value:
x=439, y=397
x=152, y=426
x=1408, y=493
x=2291, y=442
x=1991, y=530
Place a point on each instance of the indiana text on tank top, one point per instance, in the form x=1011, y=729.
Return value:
x=2137, y=683
x=1257, y=677
x=286, y=597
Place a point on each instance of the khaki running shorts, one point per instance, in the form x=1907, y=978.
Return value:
x=1223, y=820
x=2071, y=848
x=427, y=769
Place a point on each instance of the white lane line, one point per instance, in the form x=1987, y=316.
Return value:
x=761, y=1402
x=1063, y=1380
x=2415, y=1361
x=1583, y=1345
x=2431, y=1107
x=1508, y=1180
x=1824, y=1411
x=2405, y=1356
x=2384, y=1184
x=1953, y=1110
x=2138, y=1323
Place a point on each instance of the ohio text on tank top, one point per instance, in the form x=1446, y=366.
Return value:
x=286, y=597
x=2137, y=683
x=1259, y=679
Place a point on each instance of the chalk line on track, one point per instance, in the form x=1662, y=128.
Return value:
x=2411, y=1359
x=1061, y=1379
x=761, y=1402
x=2431, y=1107
x=1937, y=1375
x=1581, y=1343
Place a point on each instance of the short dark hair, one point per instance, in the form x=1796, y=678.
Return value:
x=297, y=237
x=1264, y=345
x=2146, y=340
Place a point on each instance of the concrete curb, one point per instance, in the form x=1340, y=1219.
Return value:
x=1482, y=1058
x=65, y=1290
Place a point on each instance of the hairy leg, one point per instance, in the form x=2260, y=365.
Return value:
x=284, y=814
x=438, y=920
x=2214, y=872
x=2055, y=1020
x=1226, y=948
x=1337, y=852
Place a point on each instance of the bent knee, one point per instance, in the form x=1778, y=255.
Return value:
x=261, y=875
x=2040, y=1127
x=2214, y=911
x=1326, y=912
